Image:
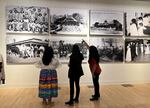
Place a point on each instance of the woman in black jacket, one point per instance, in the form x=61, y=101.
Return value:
x=74, y=74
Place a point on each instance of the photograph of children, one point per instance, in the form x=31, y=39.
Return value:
x=25, y=49
x=33, y=19
x=137, y=24
x=63, y=47
x=106, y=22
x=68, y=21
x=110, y=49
x=137, y=50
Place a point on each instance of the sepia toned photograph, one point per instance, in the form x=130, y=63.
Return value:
x=137, y=24
x=110, y=49
x=63, y=47
x=106, y=22
x=25, y=49
x=33, y=19
x=68, y=21
x=137, y=50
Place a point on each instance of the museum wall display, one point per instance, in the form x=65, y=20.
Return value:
x=69, y=22
x=28, y=25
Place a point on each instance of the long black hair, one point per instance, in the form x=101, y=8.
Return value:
x=93, y=53
x=75, y=58
x=75, y=50
x=48, y=55
x=76, y=54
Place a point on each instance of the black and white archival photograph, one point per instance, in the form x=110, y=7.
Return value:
x=63, y=48
x=106, y=22
x=25, y=49
x=137, y=50
x=110, y=49
x=33, y=19
x=68, y=21
x=137, y=24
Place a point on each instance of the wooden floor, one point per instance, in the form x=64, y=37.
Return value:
x=112, y=96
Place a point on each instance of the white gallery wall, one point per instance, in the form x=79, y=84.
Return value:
x=27, y=75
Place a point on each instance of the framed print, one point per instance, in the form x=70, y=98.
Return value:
x=137, y=24
x=63, y=47
x=25, y=49
x=21, y=19
x=110, y=49
x=68, y=21
x=106, y=22
x=137, y=50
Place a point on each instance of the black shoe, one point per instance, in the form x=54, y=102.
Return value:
x=94, y=99
x=69, y=102
x=96, y=96
x=76, y=100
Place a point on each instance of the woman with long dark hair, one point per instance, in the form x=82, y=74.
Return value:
x=48, y=84
x=95, y=69
x=74, y=74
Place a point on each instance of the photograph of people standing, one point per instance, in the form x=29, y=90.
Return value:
x=137, y=50
x=27, y=19
x=137, y=24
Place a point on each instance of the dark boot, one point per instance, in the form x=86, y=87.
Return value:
x=96, y=96
x=70, y=102
x=93, y=98
x=76, y=100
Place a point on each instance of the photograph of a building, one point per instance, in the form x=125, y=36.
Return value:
x=68, y=21
x=106, y=22
x=25, y=50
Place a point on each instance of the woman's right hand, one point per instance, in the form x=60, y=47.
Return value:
x=83, y=41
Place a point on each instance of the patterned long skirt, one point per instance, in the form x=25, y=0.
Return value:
x=48, y=84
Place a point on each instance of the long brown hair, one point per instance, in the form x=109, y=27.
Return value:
x=93, y=53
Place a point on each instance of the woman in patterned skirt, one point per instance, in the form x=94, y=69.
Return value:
x=48, y=85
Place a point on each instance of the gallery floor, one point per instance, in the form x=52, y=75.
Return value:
x=112, y=96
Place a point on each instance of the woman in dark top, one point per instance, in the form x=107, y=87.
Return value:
x=74, y=74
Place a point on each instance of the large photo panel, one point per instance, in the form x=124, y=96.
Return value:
x=23, y=19
x=63, y=47
x=137, y=24
x=106, y=22
x=25, y=49
x=137, y=50
x=110, y=49
x=68, y=21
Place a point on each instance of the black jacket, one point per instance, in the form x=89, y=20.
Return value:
x=75, y=66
